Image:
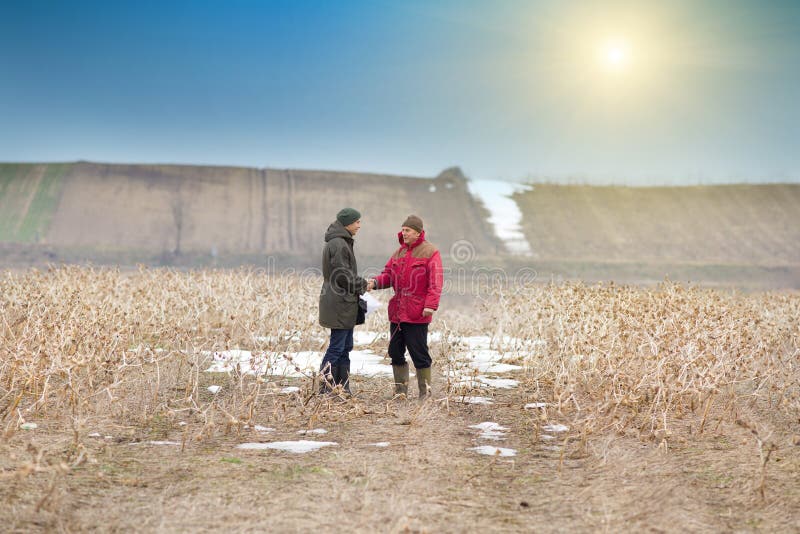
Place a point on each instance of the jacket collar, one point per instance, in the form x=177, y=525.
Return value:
x=415, y=244
x=337, y=229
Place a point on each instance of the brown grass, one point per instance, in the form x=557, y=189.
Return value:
x=683, y=408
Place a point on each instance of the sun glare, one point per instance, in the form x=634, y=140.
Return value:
x=615, y=55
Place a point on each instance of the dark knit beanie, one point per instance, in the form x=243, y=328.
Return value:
x=348, y=216
x=413, y=222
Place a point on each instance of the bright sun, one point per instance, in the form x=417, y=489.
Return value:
x=615, y=55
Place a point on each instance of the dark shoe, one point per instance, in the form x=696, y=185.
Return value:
x=327, y=380
x=400, y=379
x=424, y=382
x=342, y=376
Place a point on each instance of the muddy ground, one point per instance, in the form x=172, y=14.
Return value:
x=426, y=480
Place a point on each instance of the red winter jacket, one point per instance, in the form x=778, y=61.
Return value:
x=415, y=273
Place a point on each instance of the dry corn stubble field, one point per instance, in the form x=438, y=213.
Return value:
x=682, y=409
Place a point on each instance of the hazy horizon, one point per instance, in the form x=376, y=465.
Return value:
x=530, y=179
x=602, y=92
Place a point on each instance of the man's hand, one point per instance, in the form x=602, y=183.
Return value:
x=370, y=284
x=427, y=312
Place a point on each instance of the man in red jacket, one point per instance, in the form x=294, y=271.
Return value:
x=415, y=273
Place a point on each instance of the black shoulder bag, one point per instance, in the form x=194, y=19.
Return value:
x=361, y=315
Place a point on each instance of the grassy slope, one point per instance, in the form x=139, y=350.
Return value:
x=28, y=199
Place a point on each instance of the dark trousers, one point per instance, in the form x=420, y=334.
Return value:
x=339, y=348
x=415, y=338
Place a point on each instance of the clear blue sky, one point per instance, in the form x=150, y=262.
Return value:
x=708, y=89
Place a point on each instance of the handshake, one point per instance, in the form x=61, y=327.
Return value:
x=373, y=284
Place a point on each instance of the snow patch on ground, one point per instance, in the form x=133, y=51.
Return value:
x=380, y=444
x=499, y=383
x=474, y=357
x=534, y=405
x=555, y=428
x=293, y=364
x=469, y=381
x=367, y=337
x=292, y=337
x=474, y=400
x=490, y=430
x=493, y=451
x=298, y=447
x=489, y=425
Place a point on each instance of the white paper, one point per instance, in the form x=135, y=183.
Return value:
x=372, y=303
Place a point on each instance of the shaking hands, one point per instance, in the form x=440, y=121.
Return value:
x=372, y=284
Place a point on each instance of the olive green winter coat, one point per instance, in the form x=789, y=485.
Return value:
x=341, y=286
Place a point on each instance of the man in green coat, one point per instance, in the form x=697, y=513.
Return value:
x=338, y=299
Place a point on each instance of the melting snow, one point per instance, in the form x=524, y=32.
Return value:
x=487, y=361
x=500, y=383
x=28, y=426
x=534, y=405
x=297, y=447
x=294, y=364
x=474, y=400
x=290, y=389
x=493, y=451
x=480, y=380
x=483, y=354
x=489, y=425
x=498, y=368
x=505, y=214
x=367, y=337
x=490, y=430
x=434, y=337
x=367, y=363
x=259, y=428
x=555, y=428
x=380, y=444
x=214, y=389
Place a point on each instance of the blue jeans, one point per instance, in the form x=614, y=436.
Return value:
x=338, y=352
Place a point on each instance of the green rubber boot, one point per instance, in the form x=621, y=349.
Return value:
x=400, y=379
x=424, y=382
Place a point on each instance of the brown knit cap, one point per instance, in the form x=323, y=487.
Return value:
x=412, y=221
